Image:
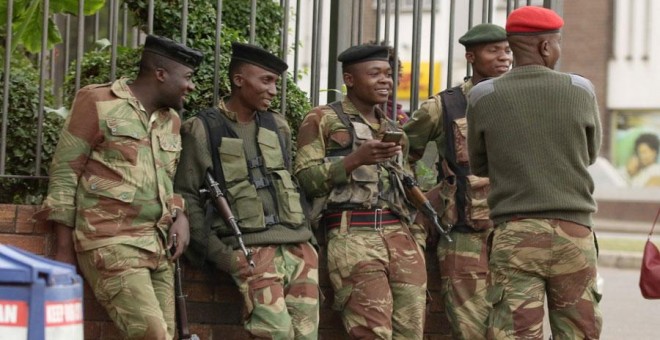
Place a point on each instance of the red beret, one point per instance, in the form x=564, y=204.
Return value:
x=533, y=20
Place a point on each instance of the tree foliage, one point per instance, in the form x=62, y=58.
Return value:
x=27, y=20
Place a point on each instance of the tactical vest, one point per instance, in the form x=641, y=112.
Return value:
x=364, y=189
x=231, y=169
x=464, y=194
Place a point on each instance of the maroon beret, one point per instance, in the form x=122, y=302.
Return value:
x=531, y=20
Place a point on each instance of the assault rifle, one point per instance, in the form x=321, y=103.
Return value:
x=416, y=196
x=181, y=311
x=222, y=206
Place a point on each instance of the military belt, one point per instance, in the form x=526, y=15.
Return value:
x=362, y=218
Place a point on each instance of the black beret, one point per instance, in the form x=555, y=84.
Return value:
x=173, y=50
x=360, y=53
x=483, y=34
x=258, y=56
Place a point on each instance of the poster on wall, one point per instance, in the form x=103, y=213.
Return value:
x=636, y=148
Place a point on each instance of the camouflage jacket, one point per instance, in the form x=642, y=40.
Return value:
x=321, y=132
x=111, y=176
x=426, y=125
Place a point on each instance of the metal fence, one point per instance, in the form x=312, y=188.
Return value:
x=335, y=25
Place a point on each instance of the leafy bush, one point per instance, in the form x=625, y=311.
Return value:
x=200, y=35
x=22, y=135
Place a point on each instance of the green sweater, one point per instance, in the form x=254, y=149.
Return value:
x=534, y=132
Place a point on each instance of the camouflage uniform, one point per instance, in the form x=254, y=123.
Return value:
x=531, y=257
x=111, y=180
x=377, y=270
x=281, y=294
x=464, y=262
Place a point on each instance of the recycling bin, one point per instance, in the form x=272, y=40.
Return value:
x=39, y=298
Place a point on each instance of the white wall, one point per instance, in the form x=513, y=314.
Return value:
x=634, y=70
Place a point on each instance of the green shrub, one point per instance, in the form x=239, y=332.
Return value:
x=22, y=135
x=200, y=35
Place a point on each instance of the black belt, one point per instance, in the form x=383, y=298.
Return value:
x=362, y=218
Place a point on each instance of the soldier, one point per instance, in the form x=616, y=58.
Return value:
x=534, y=132
x=247, y=148
x=110, y=192
x=441, y=118
x=376, y=265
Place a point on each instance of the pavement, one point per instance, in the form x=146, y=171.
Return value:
x=621, y=229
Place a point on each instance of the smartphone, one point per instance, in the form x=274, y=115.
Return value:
x=392, y=137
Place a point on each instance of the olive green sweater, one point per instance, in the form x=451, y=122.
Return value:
x=534, y=132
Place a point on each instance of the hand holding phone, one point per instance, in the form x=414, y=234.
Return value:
x=392, y=137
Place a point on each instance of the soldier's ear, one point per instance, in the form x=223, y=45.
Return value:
x=469, y=56
x=348, y=79
x=544, y=48
x=160, y=74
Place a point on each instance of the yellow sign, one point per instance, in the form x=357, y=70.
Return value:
x=403, y=90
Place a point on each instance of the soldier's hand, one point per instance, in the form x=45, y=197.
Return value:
x=371, y=152
x=180, y=227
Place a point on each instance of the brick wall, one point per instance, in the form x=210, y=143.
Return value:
x=214, y=304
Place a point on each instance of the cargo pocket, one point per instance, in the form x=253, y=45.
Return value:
x=170, y=146
x=106, y=286
x=123, y=137
x=289, y=208
x=460, y=140
x=269, y=144
x=232, y=158
x=342, y=295
x=247, y=206
x=495, y=295
x=477, y=210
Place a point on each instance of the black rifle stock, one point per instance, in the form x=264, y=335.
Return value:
x=416, y=196
x=180, y=302
x=222, y=206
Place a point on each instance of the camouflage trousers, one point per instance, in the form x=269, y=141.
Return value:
x=531, y=259
x=463, y=274
x=135, y=286
x=379, y=280
x=281, y=293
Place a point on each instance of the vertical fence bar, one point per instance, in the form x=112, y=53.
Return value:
x=253, y=21
x=516, y=3
x=484, y=11
x=417, y=32
x=360, y=22
x=378, y=20
x=529, y=2
x=316, y=51
x=296, y=43
x=387, y=22
x=432, y=51
x=150, y=17
x=396, y=60
x=113, y=48
x=450, y=48
x=646, y=54
x=81, y=41
x=468, y=67
x=124, y=27
x=352, y=22
x=285, y=46
x=216, y=60
x=5, y=86
x=42, y=85
x=67, y=44
x=508, y=7
x=490, y=11
x=184, y=23
x=96, y=26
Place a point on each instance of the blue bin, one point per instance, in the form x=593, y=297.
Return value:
x=39, y=298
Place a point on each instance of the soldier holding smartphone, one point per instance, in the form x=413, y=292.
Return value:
x=347, y=161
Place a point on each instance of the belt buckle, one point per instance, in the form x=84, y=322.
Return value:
x=378, y=219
